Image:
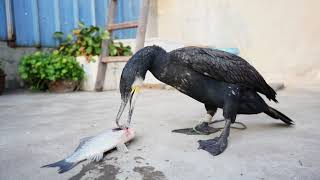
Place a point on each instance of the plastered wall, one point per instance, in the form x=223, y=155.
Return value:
x=281, y=38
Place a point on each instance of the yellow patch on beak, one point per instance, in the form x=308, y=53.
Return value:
x=135, y=89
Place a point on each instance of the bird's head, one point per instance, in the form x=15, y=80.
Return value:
x=133, y=75
x=130, y=87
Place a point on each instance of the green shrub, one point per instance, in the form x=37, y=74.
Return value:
x=84, y=41
x=118, y=49
x=87, y=41
x=39, y=69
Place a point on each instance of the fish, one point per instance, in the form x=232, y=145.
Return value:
x=92, y=148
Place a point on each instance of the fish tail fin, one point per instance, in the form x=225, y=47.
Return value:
x=63, y=165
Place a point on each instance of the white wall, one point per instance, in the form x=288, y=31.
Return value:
x=281, y=38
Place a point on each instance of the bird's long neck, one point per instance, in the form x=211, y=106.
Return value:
x=146, y=59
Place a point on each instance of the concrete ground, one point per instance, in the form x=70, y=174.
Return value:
x=41, y=128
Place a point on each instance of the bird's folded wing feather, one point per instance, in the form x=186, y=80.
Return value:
x=221, y=66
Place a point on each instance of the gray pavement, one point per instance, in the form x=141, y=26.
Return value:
x=41, y=128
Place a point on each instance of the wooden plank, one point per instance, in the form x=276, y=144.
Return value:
x=143, y=20
x=130, y=12
x=111, y=59
x=125, y=25
x=102, y=67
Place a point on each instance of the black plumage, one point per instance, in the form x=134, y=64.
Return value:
x=216, y=78
x=223, y=66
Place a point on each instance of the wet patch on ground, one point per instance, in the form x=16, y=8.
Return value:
x=149, y=173
x=138, y=159
x=98, y=171
x=110, y=171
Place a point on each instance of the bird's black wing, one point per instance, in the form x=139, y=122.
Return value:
x=223, y=66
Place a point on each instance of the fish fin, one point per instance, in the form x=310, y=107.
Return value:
x=116, y=129
x=82, y=141
x=122, y=148
x=63, y=165
x=96, y=157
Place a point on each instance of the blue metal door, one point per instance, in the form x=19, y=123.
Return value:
x=35, y=21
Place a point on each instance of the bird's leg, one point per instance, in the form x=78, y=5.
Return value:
x=217, y=145
x=203, y=126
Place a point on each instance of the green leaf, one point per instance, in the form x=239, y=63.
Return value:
x=38, y=53
x=85, y=32
x=24, y=76
x=69, y=37
x=95, y=28
x=97, y=51
x=21, y=68
x=105, y=35
x=89, y=50
x=113, y=51
x=96, y=44
x=64, y=60
x=55, y=52
x=127, y=53
x=33, y=61
x=58, y=35
x=90, y=42
x=81, y=24
x=76, y=31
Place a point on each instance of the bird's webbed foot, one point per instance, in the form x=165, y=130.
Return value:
x=204, y=128
x=214, y=146
x=200, y=129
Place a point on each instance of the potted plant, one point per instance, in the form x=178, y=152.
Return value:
x=119, y=54
x=2, y=79
x=84, y=43
x=52, y=71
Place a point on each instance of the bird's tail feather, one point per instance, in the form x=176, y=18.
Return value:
x=278, y=115
x=63, y=165
x=270, y=93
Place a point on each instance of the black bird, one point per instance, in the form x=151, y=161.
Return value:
x=216, y=78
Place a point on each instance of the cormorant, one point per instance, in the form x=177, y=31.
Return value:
x=216, y=78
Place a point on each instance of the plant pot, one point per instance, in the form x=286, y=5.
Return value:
x=91, y=70
x=115, y=66
x=63, y=86
x=114, y=70
x=2, y=82
x=113, y=73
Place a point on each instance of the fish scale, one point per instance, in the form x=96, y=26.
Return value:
x=92, y=148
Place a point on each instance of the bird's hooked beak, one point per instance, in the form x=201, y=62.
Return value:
x=132, y=100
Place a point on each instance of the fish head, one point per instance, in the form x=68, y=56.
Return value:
x=129, y=134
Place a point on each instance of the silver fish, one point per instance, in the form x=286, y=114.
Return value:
x=92, y=148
